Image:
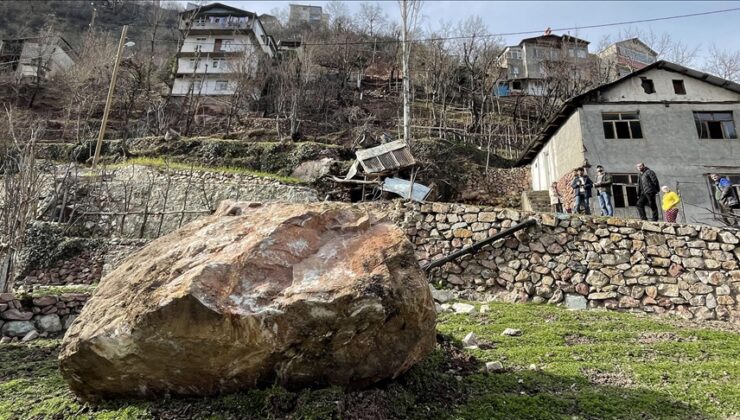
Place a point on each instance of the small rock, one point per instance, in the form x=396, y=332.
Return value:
x=32, y=335
x=441, y=296
x=470, y=340
x=575, y=301
x=5, y=340
x=532, y=367
x=484, y=309
x=463, y=308
x=494, y=367
x=512, y=332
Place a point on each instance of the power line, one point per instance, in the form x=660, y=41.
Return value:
x=501, y=34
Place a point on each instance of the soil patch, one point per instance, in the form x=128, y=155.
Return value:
x=658, y=337
x=576, y=339
x=598, y=377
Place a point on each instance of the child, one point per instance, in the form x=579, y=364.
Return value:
x=556, y=201
x=670, y=204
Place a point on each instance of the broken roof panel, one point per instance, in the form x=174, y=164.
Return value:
x=402, y=187
x=386, y=157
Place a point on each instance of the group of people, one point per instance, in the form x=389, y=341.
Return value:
x=648, y=188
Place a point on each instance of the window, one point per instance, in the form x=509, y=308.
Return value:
x=715, y=125
x=678, y=87
x=622, y=125
x=624, y=190
x=515, y=71
x=571, y=52
x=201, y=21
x=515, y=53
x=222, y=85
x=516, y=85
x=197, y=86
x=226, y=44
x=647, y=85
x=581, y=53
x=199, y=43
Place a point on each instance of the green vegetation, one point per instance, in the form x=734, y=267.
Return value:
x=591, y=364
x=161, y=163
x=39, y=291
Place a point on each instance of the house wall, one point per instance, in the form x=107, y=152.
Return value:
x=241, y=42
x=562, y=154
x=54, y=58
x=208, y=86
x=696, y=90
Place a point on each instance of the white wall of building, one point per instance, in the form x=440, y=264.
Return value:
x=563, y=153
x=204, y=86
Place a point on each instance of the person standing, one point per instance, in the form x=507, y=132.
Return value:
x=647, y=190
x=670, y=204
x=726, y=197
x=604, y=191
x=582, y=186
x=556, y=200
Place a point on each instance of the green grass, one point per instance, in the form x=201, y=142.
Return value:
x=39, y=291
x=161, y=163
x=589, y=364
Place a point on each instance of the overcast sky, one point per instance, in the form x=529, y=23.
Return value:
x=509, y=16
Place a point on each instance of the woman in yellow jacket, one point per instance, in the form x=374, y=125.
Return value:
x=670, y=204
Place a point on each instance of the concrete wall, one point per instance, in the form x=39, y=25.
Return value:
x=563, y=153
x=696, y=90
x=670, y=146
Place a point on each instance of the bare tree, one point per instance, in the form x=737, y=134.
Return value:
x=723, y=63
x=409, y=18
x=371, y=18
x=21, y=186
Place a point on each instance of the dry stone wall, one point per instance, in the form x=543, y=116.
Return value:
x=585, y=262
x=30, y=317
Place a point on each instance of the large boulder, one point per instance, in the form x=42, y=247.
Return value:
x=295, y=294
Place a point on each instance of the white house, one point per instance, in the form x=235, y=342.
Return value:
x=32, y=57
x=220, y=44
x=680, y=122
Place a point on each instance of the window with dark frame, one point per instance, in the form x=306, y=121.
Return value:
x=624, y=190
x=678, y=87
x=647, y=85
x=222, y=84
x=715, y=125
x=622, y=125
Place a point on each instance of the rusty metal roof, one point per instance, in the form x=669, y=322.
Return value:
x=386, y=157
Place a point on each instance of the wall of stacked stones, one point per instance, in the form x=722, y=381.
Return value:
x=596, y=262
x=138, y=201
x=30, y=317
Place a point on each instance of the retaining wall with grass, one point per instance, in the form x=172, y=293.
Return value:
x=613, y=263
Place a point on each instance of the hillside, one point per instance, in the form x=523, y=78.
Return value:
x=72, y=18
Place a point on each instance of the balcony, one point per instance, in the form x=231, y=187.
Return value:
x=213, y=24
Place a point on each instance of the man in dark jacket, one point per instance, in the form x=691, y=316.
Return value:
x=582, y=185
x=604, y=190
x=647, y=190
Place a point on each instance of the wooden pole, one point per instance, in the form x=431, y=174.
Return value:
x=108, y=101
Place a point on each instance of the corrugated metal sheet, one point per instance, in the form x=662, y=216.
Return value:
x=386, y=157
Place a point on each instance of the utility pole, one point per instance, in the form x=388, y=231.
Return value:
x=405, y=68
x=109, y=100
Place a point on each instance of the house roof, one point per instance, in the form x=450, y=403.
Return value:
x=637, y=40
x=554, y=38
x=575, y=102
x=219, y=6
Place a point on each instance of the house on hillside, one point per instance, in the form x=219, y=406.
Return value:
x=301, y=14
x=624, y=57
x=528, y=64
x=29, y=58
x=220, y=44
x=682, y=123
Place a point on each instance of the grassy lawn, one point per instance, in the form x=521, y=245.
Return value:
x=565, y=365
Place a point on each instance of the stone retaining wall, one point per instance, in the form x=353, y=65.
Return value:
x=31, y=317
x=597, y=262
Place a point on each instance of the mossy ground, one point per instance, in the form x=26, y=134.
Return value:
x=586, y=365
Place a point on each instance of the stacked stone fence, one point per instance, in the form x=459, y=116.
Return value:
x=691, y=271
x=25, y=317
x=612, y=263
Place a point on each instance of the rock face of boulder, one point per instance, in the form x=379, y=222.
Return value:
x=295, y=294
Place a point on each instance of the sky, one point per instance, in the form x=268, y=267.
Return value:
x=517, y=16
